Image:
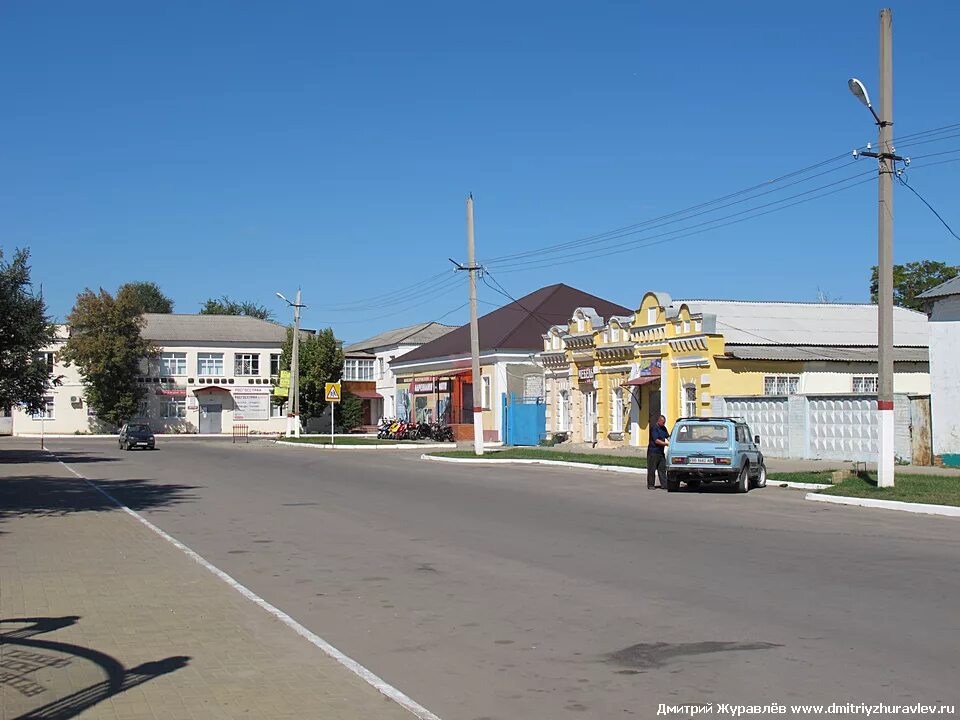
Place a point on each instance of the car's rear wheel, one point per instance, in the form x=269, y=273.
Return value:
x=673, y=484
x=743, y=479
x=761, y=480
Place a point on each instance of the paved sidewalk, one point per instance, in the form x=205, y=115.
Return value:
x=101, y=616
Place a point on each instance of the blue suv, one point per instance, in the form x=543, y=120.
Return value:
x=720, y=449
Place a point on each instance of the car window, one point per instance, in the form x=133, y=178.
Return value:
x=139, y=428
x=703, y=432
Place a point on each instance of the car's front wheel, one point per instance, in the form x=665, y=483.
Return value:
x=743, y=479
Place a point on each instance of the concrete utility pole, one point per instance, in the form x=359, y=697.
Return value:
x=474, y=335
x=887, y=160
x=885, y=466
x=293, y=417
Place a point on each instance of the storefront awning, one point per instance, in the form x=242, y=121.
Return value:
x=367, y=394
x=454, y=373
x=642, y=380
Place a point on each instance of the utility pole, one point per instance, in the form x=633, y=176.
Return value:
x=295, y=368
x=474, y=335
x=887, y=160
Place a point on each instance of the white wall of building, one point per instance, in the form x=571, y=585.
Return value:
x=944, y=366
x=830, y=378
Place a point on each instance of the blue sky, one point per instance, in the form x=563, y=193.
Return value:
x=244, y=148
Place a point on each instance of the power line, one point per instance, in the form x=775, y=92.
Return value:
x=914, y=191
x=406, y=308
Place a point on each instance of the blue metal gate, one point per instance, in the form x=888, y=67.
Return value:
x=524, y=420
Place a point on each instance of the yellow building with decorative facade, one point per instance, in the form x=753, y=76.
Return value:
x=608, y=379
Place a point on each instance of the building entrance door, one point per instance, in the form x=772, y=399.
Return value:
x=590, y=416
x=653, y=404
x=210, y=419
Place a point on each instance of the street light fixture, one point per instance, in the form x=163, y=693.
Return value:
x=293, y=418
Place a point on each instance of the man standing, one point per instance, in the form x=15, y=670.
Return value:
x=656, y=457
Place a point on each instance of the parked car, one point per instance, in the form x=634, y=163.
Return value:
x=719, y=449
x=136, y=435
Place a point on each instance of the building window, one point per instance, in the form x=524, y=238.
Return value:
x=698, y=326
x=209, y=363
x=380, y=368
x=651, y=316
x=175, y=408
x=46, y=412
x=277, y=411
x=581, y=324
x=556, y=342
x=689, y=400
x=563, y=411
x=781, y=384
x=47, y=358
x=615, y=334
x=616, y=410
x=865, y=385
x=143, y=409
x=275, y=365
x=246, y=364
x=485, y=394
x=354, y=369
x=686, y=326
x=173, y=363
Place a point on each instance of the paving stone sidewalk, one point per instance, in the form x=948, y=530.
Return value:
x=102, y=618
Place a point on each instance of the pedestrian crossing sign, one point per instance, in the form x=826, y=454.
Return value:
x=333, y=392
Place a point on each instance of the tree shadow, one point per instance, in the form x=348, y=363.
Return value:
x=35, y=494
x=25, y=657
x=14, y=456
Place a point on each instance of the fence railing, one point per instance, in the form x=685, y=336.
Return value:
x=241, y=433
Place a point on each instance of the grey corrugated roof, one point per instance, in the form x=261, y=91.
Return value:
x=813, y=352
x=174, y=327
x=830, y=324
x=950, y=287
x=418, y=334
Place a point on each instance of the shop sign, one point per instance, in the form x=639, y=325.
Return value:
x=281, y=392
x=424, y=385
x=585, y=374
x=444, y=385
x=285, y=378
x=171, y=392
x=251, y=406
x=193, y=403
x=648, y=366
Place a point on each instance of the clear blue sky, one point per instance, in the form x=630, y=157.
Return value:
x=242, y=148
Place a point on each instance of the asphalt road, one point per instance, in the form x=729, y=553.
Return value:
x=502, y=593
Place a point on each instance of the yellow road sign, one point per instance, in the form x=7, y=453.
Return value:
x=285, y=378
x=281, y=391
x=333, y=392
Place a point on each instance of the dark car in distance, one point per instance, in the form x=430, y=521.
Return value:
x=135, y=434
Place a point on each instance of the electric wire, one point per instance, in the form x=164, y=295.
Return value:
x=912, y=189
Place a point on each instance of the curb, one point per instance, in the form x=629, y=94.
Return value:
x=797, y=485
x=531, y=461
x=919, y=508
x=318, y=446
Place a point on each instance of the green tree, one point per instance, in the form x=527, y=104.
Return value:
x=25, y=330
x=106, y=346
x=225, y=306
x=349, y=412
x=912, y=279
x=149, y=296
x=321, y=361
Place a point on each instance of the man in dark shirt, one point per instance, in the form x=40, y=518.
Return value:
x=656, y=457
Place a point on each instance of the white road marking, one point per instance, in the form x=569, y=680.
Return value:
x=346, y=661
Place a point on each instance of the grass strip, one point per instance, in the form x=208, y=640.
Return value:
x=930, y=489
x=538, y=454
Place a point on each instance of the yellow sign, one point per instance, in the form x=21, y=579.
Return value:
x=333, y=392
x=281, y=392
x=284, y=378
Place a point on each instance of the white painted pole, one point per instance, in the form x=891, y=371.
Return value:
x=474, y=336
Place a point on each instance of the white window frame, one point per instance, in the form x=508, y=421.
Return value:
x=872, y=380
x=360, y=369
x=49, y=410
x=698, y=325
x=616, y=410
x=686, y=327
x=556, y=342
x=275, y=363
x=563, y=411
x=173, y=364
x=179, y=408
x=783, y=385
x=49, y=358
x=207, y=362
x=688, y=400
x=278, y=411
x=486, y=394
x=615, y=334
x=246, y=364
x=651, y=316
x=581, y=324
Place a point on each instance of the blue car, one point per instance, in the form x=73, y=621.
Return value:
x=714, y=450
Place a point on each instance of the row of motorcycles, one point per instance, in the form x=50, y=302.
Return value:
x=403, y=430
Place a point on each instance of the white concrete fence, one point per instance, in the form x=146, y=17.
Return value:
x=827, y=427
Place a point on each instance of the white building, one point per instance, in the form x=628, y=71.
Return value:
x=944, y=362
x=366, y=367
x=213, y=371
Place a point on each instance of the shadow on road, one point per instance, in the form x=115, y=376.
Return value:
x=37, y=670
x=32, y=491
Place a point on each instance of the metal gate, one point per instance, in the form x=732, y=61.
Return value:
x=921, y=437
x=843, y=428
x=524, y=420
x=768, y=418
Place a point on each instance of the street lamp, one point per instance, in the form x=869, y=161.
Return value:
x=887, y=159
x=293, y=428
